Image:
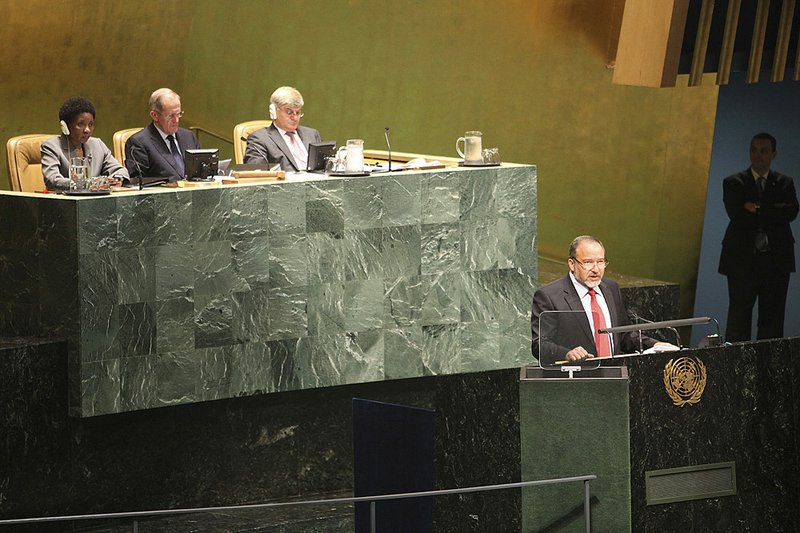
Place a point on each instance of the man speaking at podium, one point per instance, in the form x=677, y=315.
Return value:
x=584, y=290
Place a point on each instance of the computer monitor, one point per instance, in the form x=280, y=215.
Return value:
x=201, y=163
x=317, y=152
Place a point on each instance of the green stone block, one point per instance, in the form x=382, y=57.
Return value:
x=287, y=312
x=175, y=376
x=363, y=254
x=478, y=196
x=136, y=215
x=441, y=349
x=479, y=245
x=98, y=333
x=213, y=269
x=174, y=273
x=402, y=254
x=402, y=302
x=363, y=359
x=213, y=321
x=211, y=215
x=288, y=261
x=247, y=220
x=136, y=275
x=286, y=209
x=175, y=325
x=480, y=346
x=326, y=311
x=250, y=369
x=441, y=298
x=441, y=198
x=250, y=261
x=441, y=248
x=173, y=219
x=363, y=305
x=401, y=201
x=362, y=203
x=100, y=387
x=481, y=297
x=326, y=258
x=250, y=316
x=403, y=352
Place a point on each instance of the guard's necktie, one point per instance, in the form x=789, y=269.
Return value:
x=762, y=240
x=601, y=340
x=297, y=151
x=173, y=147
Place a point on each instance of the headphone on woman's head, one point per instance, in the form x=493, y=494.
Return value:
x=64, y=128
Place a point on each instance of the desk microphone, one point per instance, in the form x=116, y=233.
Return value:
x=389, y=146
x=138, y=168
x=257, y=148
x=642, y=319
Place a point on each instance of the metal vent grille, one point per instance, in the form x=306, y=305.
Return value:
x=690, y=483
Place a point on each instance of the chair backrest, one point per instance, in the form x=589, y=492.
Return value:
x=24, y=158
x=119, y=140
x=244, y=130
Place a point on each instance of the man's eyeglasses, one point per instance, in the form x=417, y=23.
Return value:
x=172, y=116
x=292, y=113
x=591, y=263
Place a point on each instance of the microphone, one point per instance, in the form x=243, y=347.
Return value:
x=138, y=168
x=257, y=148
x=642, y=319
x=389, y=146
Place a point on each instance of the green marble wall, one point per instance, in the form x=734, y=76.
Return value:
x=175, y=296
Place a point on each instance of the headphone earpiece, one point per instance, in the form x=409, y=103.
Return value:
x=273, y=111
x=64, y=128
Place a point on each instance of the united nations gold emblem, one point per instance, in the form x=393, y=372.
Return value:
x=685, y=380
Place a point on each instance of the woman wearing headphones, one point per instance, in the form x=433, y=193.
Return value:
x=77, y=117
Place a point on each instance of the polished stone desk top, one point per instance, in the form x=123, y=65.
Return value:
x=172, y=296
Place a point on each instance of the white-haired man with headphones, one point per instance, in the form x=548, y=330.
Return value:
x=285, y=141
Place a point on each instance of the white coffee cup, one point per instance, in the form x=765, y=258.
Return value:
x=472, y=147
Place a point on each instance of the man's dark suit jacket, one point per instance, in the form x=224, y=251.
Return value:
x=269, y=141
x=152, y=154
x=778, y=207
x=565, y=331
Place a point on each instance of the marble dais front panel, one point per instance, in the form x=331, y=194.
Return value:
x=184, y=295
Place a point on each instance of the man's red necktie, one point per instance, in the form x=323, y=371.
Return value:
x=601, y=340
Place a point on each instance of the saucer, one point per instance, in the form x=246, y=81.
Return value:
x=348, y=174
x=481, y=164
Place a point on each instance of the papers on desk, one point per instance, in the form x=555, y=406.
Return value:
x=662, y=349
x=414, y=164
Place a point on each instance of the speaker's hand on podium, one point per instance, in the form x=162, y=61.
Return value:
x=578, y=354
x=661, y=347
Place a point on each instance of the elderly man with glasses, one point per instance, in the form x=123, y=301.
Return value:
x=591, y=303
x=285, y=141
x=159, y=149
